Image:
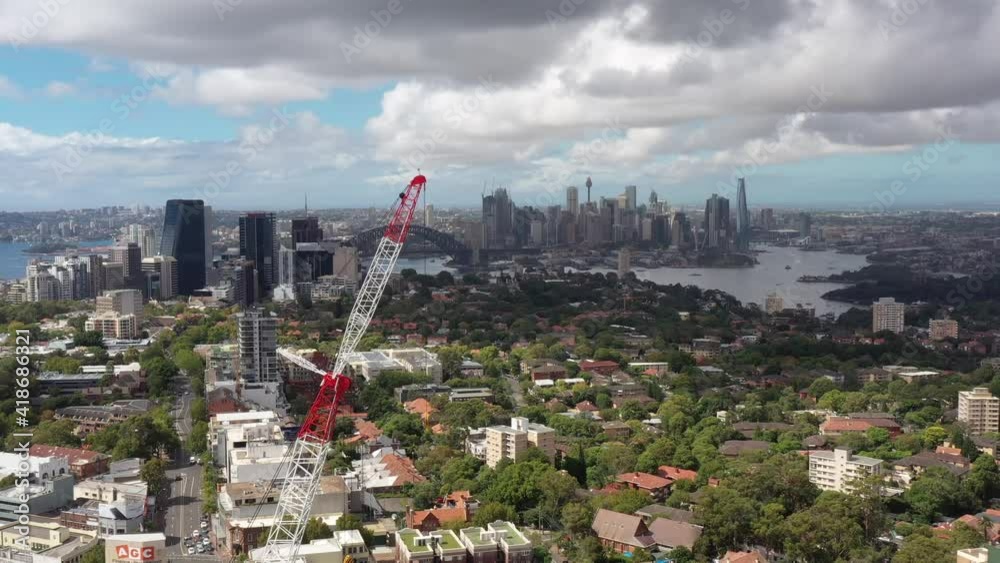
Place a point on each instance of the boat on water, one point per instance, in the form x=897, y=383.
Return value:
x=695, y=275
x=788, y=267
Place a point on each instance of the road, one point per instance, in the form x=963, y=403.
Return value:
x=515, y=389
x=184, y=506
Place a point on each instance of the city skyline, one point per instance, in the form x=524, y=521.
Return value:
x=109, y=116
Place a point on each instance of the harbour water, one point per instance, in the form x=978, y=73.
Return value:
x=777, y=271
x=13, y=261
x=746, y=284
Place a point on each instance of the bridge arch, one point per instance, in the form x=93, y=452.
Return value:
x=367, y=241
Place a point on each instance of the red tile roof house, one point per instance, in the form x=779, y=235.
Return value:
x=548, y=372
x=676, y=473
x=82, y=463
x=456, y=507
x=422, y=407
x=603, y=367
x=743, y=557
x=621, y=533
x=656, y=486
x=835, y=425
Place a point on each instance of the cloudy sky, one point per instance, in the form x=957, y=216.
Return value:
x=253, y=103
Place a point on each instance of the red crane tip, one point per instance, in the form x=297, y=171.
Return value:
x=418, y=179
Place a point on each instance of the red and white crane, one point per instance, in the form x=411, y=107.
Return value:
x=308, y=454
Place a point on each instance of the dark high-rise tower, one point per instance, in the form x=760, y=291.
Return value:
x=306, y=229
x=259, y=244
x=498, y=219
x=130, y=256
x=742, y=217
x=717, y=222
x=184, y=227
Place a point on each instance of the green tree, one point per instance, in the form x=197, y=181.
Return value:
x=154, y=473
x=934, y=436
x=493, y=511
x=349, y=522
x=405, y=427
x=825, y=532
x=317, y=530
x=56, y=433
x=983, y=481
x=577, y=518
x=727, y=517
x=921, y=549
x=936, y=492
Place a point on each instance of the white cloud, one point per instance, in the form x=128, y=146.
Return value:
x=8, y=89
x=57, y=89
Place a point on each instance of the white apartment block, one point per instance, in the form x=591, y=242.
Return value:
x=979, y=410
x=114, y=326
x=888, y=315
x=511, y=442
x=121, y=301
x=837, y=470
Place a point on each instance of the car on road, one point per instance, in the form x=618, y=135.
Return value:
x=190, y=551
x=204, y=524
x=179, y=477
x=196, y=534
x=193, y=459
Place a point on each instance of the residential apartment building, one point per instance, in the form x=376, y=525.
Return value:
x=979, y=410
x=887, y=315
x=496, y=443
x=941, y=329
x=442, y=546
x=499, y=542
x=837, y=470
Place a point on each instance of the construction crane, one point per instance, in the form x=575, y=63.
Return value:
x=307, y=454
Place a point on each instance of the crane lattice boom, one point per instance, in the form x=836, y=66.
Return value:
x=308, y=453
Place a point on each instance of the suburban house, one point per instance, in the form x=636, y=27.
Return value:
x=622, y=533
x=656, y=486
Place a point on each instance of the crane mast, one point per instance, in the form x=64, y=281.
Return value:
x=308, y=453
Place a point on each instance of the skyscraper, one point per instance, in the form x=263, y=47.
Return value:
x=630, y=200
x=184, y=238
x=161, y=276
x=717, y=222
x=143, y=236
x=572, y=200
x=306, y=229
x=259, y=244
x=742, y=217
x=498, y=219
x=805, y=224
x=130, y=256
